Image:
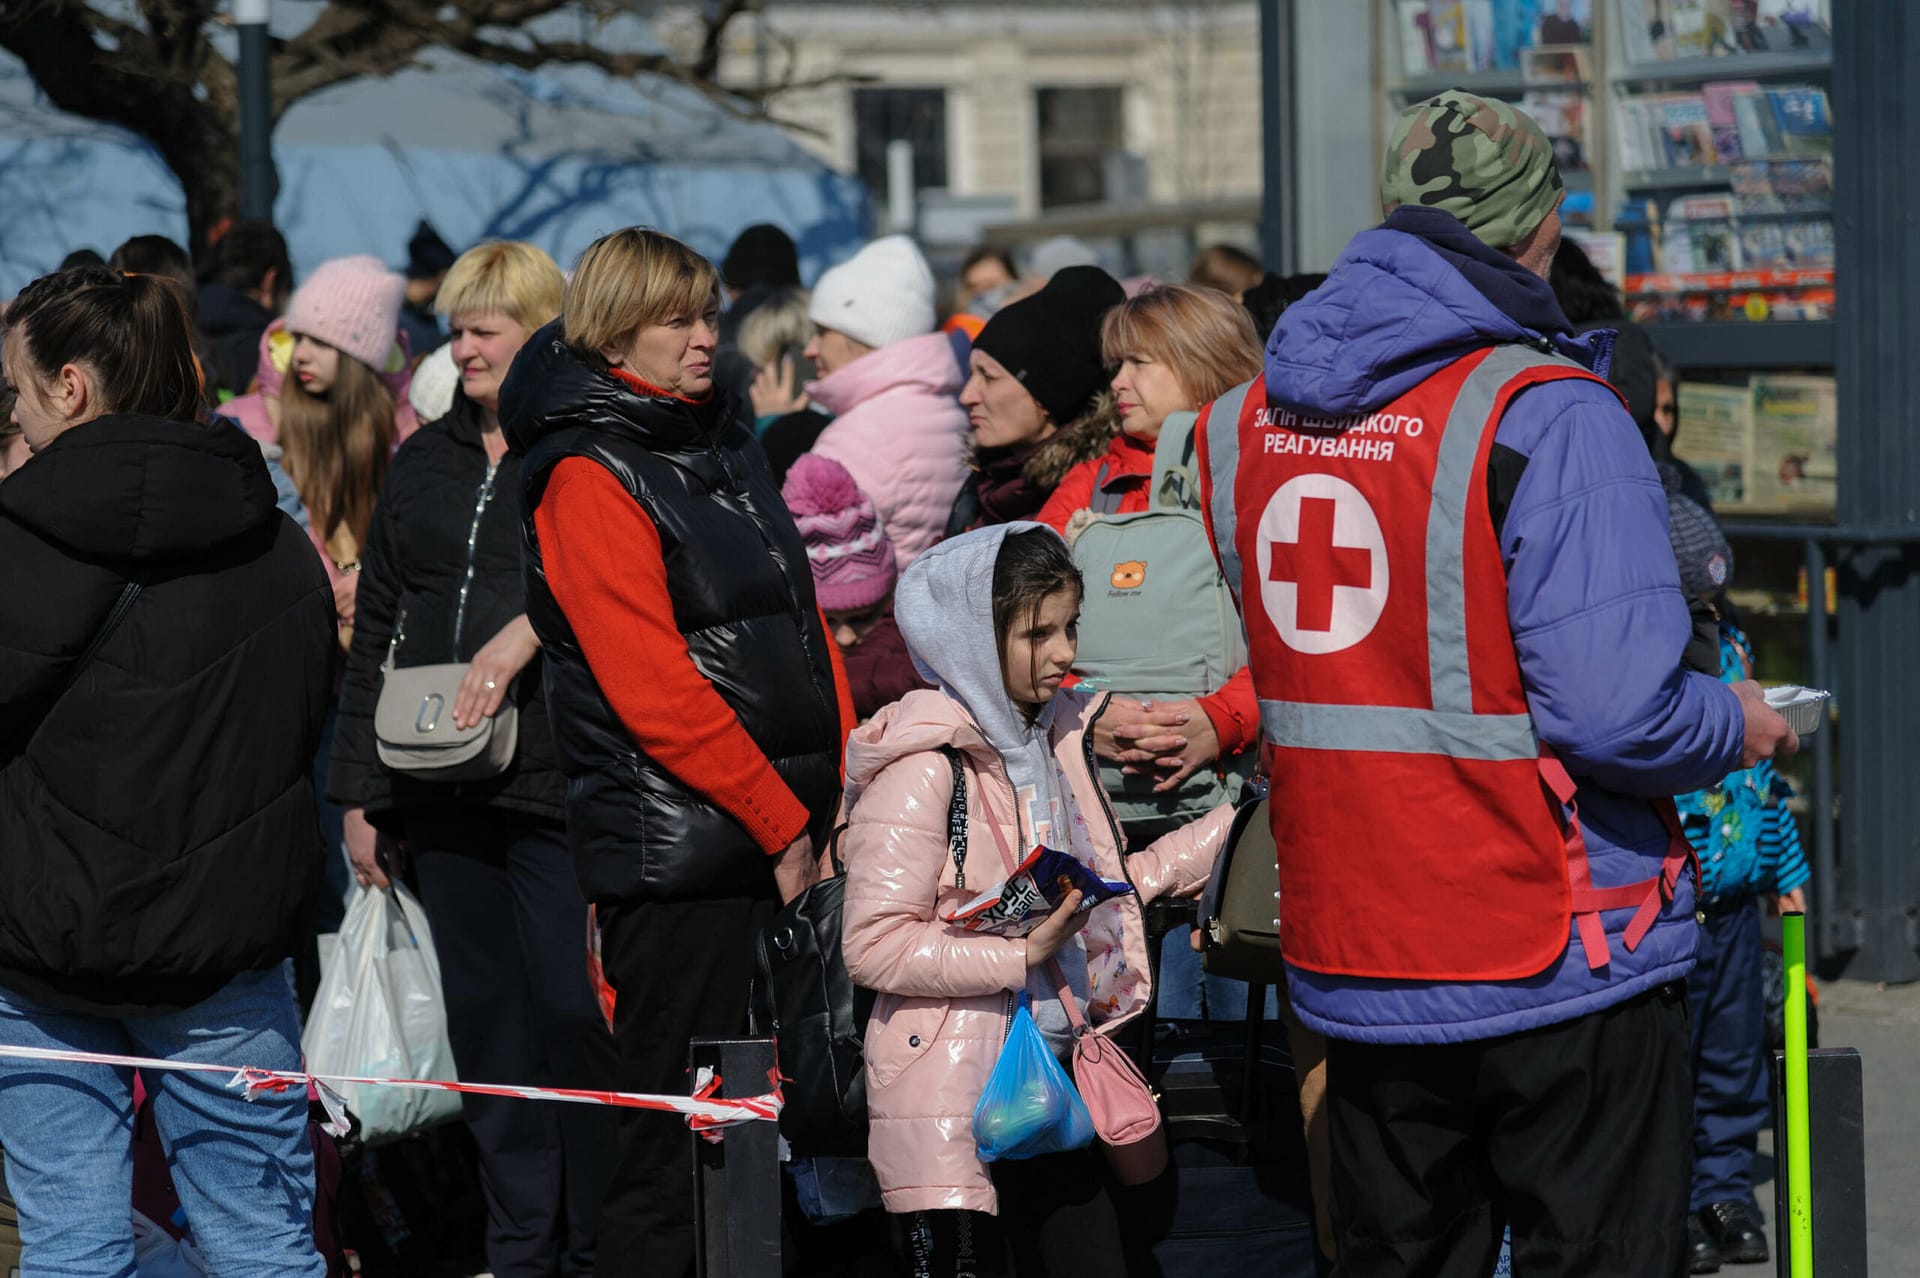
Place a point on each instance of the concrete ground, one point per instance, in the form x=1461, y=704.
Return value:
x=1883, y=1023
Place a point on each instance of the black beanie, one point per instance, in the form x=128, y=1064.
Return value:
x=427, y=254
x=1050, y=341
x=763, y=254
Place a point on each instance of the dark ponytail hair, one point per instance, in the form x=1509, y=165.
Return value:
x=1031, y=565
x=129, y=331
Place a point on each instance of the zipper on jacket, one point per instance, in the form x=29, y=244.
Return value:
x=1106, y=804
x=483, y=496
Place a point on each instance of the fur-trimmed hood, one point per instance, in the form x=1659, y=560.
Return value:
x=1083, y=439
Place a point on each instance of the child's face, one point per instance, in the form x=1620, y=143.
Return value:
x=1038, y=650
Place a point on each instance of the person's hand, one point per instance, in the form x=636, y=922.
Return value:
x=795, y=869
x=1045, y=941
x=369, y=850
x=1767, y=733
x=1197, y=940
x=1199, y=747
x=776, y=389
x=484, y=688
x=345, y=591
x=1794, y=902
x=1133, y=732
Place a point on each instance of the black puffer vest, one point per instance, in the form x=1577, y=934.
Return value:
x=742, y=596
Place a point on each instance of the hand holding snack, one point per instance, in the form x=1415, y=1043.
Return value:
x=1045, y=941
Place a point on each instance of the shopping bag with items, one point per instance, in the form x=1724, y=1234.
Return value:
x=379, y=1014
x=1029, y=1106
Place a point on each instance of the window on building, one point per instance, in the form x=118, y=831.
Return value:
x=918, y=116
x=1079, y=129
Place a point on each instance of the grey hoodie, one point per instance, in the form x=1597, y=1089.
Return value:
x=944, y=607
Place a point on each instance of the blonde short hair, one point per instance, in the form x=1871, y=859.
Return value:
x=1206, y=337
x=774, y=325
x=515, y=279
x=628, y=281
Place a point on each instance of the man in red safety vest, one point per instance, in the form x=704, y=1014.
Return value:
x=1449, y=548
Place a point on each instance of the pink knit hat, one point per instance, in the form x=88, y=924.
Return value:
x=352, y=303
x=848, y=550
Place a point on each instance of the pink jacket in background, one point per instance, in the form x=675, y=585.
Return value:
x=899, y=429
x=270, y=374
x=945, y=994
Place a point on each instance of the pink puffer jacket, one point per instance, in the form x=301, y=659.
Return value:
x=899, y=429
x=946, y=995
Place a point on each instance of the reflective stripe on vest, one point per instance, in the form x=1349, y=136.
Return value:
x=1223, y=460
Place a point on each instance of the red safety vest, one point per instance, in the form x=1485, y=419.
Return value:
x=1423, y=831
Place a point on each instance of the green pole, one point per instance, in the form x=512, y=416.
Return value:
x=1799, y=1165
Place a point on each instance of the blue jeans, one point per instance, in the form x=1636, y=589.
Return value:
x=244, y=1169
x=1731, y=1103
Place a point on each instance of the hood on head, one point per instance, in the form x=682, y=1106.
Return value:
x=1406, y=299
x=132, y=489
x=944, y=608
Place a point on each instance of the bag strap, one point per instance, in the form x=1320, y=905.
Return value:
x=1103, y=502
x=115, y=616
x=957, y=818
x=1174, y=482
x=833, y=849
x=1075, y=1021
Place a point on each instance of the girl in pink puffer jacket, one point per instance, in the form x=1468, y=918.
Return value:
x=990, y=618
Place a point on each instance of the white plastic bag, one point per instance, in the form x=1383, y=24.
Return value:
x=379, y=1014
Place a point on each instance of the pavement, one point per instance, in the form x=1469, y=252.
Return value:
x=1883, y=1023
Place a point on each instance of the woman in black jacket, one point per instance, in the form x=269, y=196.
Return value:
x=165, y=640
x=440, y=582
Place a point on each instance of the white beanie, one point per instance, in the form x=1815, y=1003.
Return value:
x=435, y=378
x=881, y=295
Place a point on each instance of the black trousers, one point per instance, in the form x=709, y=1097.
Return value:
x=1577, y=1135
x=680, y=971
x=1057, y=1220
x=510, y=926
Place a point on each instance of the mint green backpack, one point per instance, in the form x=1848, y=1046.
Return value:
x=1158, y=623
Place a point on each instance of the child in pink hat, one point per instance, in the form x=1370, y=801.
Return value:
x=341, y=406
x=853, y=578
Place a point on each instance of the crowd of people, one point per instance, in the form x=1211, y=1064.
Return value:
x=723, y=572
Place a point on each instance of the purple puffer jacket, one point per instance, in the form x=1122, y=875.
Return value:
x=1592, y=593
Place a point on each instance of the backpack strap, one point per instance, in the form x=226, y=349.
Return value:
x=1174, y=482
x=1103, y=502
x=957, y=818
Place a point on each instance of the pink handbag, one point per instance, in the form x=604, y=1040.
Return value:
x=1126, y=1115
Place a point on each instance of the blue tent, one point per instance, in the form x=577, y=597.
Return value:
x=556, y=157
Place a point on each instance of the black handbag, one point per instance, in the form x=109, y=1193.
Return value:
x=817, y=1016
x=1239, y=909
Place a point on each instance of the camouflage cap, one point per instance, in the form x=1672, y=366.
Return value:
x=1485, y=162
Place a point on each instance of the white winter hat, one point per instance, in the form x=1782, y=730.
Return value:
x=881, y=295
x=435, y=379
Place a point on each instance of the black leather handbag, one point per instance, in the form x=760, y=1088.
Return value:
x=1239, y=909
x=817, y=1016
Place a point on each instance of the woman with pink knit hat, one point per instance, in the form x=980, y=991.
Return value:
x=332, y=394
x=852, y=560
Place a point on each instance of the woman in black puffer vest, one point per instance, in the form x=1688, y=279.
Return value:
x=440, y=581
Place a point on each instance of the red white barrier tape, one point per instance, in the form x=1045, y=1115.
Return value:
x=705, y=1112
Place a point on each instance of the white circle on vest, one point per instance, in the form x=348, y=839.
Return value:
x=1323, y=564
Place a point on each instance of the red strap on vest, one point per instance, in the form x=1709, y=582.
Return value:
x=1647, y=896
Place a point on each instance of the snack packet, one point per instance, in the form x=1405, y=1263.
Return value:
x=1021, y=902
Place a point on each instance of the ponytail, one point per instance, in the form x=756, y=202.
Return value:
x=130, y=332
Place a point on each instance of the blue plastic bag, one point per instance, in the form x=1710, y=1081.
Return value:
x=1029, y=1106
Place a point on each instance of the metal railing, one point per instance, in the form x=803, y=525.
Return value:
x=1836, y=930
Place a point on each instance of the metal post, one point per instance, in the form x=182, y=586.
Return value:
x=1876, y=53
x=256, y=109
x=736, y=1182
x=1277, y=216
x=1832, y=921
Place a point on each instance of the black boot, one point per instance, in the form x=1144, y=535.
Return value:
x=1702, y=1256
x=1734, y=1227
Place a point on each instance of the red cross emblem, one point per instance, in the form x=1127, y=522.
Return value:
x=1323, y=564
x=1315, y=565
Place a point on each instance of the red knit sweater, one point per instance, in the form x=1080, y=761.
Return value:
x=604, y=566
